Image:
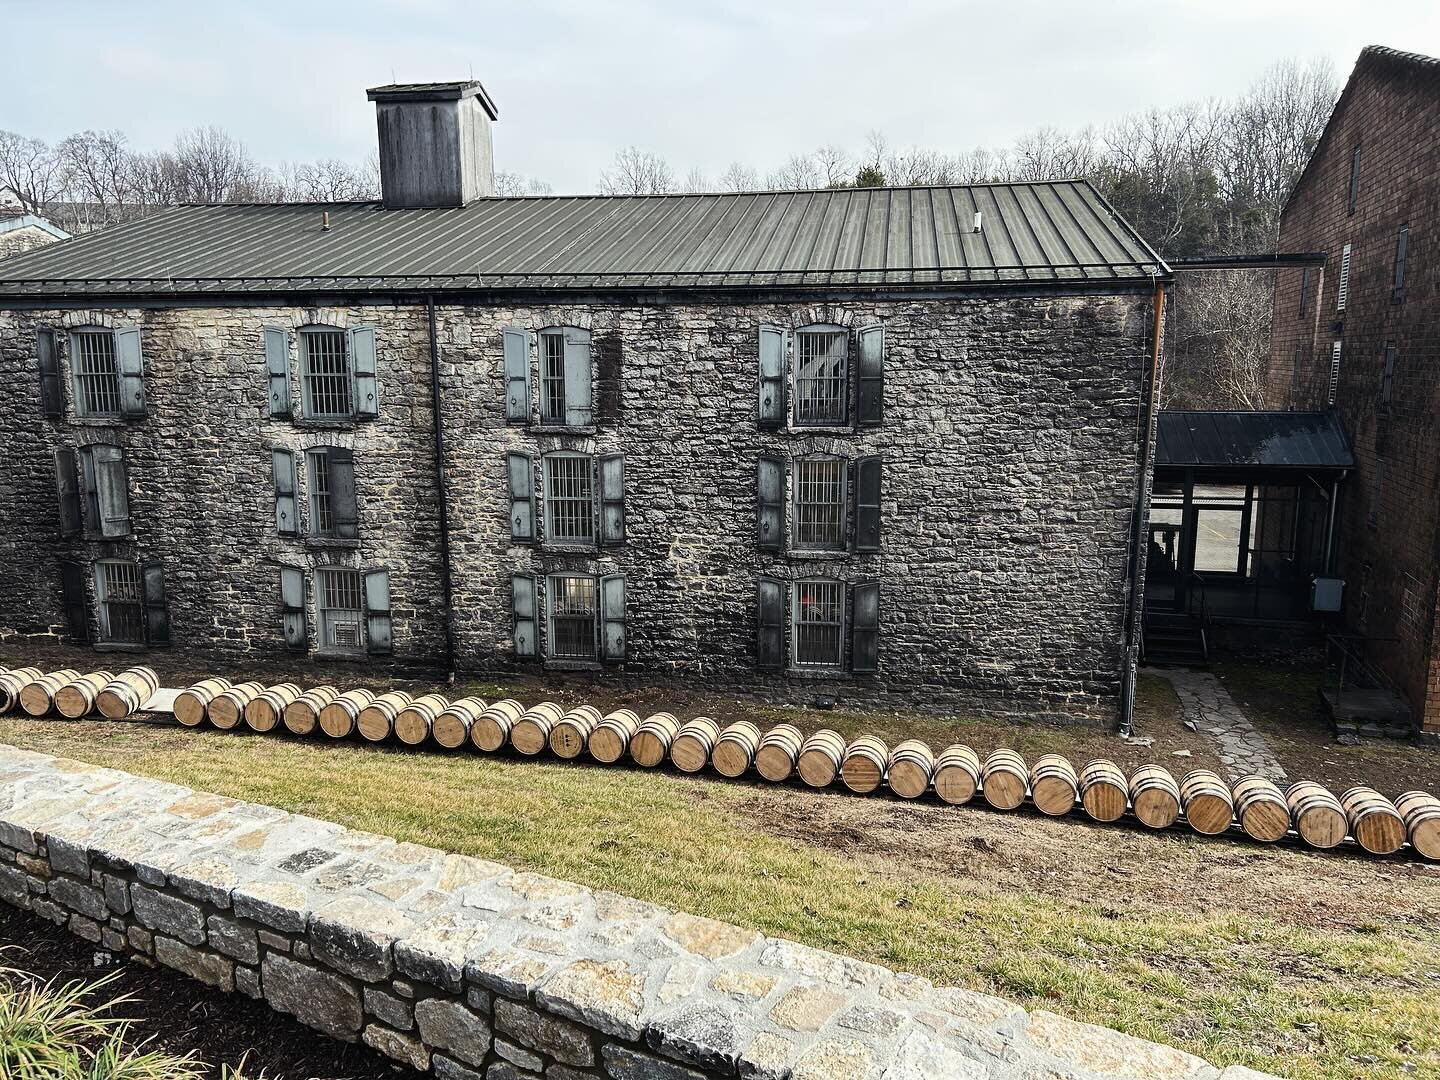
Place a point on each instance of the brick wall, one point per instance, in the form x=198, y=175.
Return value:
x=1009, y=447
x=1389, y=526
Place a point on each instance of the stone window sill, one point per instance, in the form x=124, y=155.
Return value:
x=574, y=665
x=331, y=543
x=818, y=674
x=821, y=429
x=330, y=652
x=817, y=554
x=103, y=420
x=332, y=423
x=121, y=646
x=588, y=550
x=562, y=429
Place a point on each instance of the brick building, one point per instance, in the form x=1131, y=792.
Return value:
x=812, y=442
x=1361, y=336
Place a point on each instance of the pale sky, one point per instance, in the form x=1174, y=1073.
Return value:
x=700, y=83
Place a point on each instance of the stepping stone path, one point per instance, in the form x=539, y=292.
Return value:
x=1209, y=706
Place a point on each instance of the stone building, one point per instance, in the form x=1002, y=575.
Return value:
x=22, y=231
x=1361, y=336
x=835, y=442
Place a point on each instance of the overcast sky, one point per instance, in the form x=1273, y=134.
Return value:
x=701, y=82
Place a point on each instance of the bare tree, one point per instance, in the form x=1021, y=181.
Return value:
x=801, y=171
x=696, y=180
x=834, y=165
x=211, y=166
x=31, y=169
x=1219, y=328
x=637, y=172
x=738, y=177
x=509, y=183
x=327, y=180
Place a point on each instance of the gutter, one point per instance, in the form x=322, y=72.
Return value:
x=443, y=501
x=1135, y=587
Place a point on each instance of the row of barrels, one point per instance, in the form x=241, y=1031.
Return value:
x=910, y=769
x=73, y=694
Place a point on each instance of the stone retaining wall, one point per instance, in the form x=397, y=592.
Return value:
x=470, y=969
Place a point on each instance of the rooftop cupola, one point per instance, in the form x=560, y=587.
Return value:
x=434, y=143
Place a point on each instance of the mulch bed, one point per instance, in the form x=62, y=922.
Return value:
x=181, y=1015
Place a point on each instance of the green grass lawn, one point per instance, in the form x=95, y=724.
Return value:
x=1268, y=991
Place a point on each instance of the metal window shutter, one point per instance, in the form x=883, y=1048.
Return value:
x=1342, y=292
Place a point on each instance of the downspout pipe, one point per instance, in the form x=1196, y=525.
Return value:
x=446, y=592
x=1134, y=584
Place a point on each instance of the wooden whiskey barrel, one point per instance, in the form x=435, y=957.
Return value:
x=1420, y=811
x=611, y=737
x=652, y=739
x=337, y=719
x=690, y=749
x=735, y=749
x=1206, y=799
x=1261, y=808
x=376, y=721
x=491, y=729
x=192, y=702
x=302, y=716
x=228, y=707
x=451, y=728
x=778, y=751
x=38, y=695
x=1154, y=796
x=957, y=774
x=862, y=769
x=1054, y=787
x=909, y=769
x=1319, y=817
x=1104, y=791
x=572, y=731
x=1374, y=822
x=415, y=722
x=531, y=732
x=264, y=711
x=10, y=683
x=1002, y=779
x=820, y=758
x=125, y=694
x=77, y=697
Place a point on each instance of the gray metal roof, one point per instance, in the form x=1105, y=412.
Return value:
x=1238, y=441
x=1059, y=232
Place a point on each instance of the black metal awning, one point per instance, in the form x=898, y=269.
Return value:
x=1237, y=442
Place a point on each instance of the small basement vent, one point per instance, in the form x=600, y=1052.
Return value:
x=1342, y=293
x=1334, y=373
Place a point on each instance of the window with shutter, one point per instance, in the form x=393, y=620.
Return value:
x=131, y=365
x=340, y=603
x=94, y=373
x=865, y=627
x=867, y=504
x=1342, y=290
x=67, y=482
x=772, y=377
x=47, y=350
x=817, y=618
x=526, y=634
x=573, y=617
x=1334, y=374
x=770, y=490
x=157, y=610
x=821, y=376
x=77, y=608
x=870, y=389
x=516, y=344
x=569, y=498
x=1402, y=245
x=112, y=490
x=334, y=509
x=820, y=497
x=282, y=473
x=277, y=367
x=327, y=387
x=566, y=377
x=363, y=363
x=612, y=618
x=292, y=608
x=520, y=472
x=120, y=601
x=770, y=624
x=612, y=500
x=378, y=627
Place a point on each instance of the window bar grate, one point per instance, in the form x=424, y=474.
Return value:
x=96, y=375
x=124, y=602
x=820, y=503
x=572, y=618
x=342, y=612
x=322, y=521
x=328, y=391
x=820, y=378
x=819, y=617
x=569, y=499
x=552, y=377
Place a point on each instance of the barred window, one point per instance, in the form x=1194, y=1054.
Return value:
x=121, y=601
x=552, y=376
x=97, y=376
x=820, y=376
x=819, y=504
x=325, y=374
x=573, y=626
x=818, y=616
x=569, y=499
x=342, y=612
x=322, y=520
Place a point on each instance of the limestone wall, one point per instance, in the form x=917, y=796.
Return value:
x=471, y=969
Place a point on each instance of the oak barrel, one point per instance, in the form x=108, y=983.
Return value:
x=1261, y=808
x=1002, y=779
x=264, y=711
x=735, y=749
x=1206, y=799
x=1104, y=792
x=611, y=737
x=862, y=769
x=1054, y=787
x=125, y=694
x=653, y=738
x=1154, y=796
x=1420, y=811
x=957, y=774
x=491, y=729
x=376, y=721
x=451, y=729
x=909, y=769
x=10, y=683
x=778, y=751
x=572, y=731
x=1319, y=817
x=690, y=749
x=531, y=732
x=820, y=758
x=228, y=707
x=191, y=703
x=77, y=697
x=302, y=715
x=337, y=719
x=1374, y=822
x=38, y=695
x=415, y=722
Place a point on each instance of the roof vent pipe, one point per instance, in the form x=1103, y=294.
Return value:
x=324, y=220
x=434, y=143
x=978, y=221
